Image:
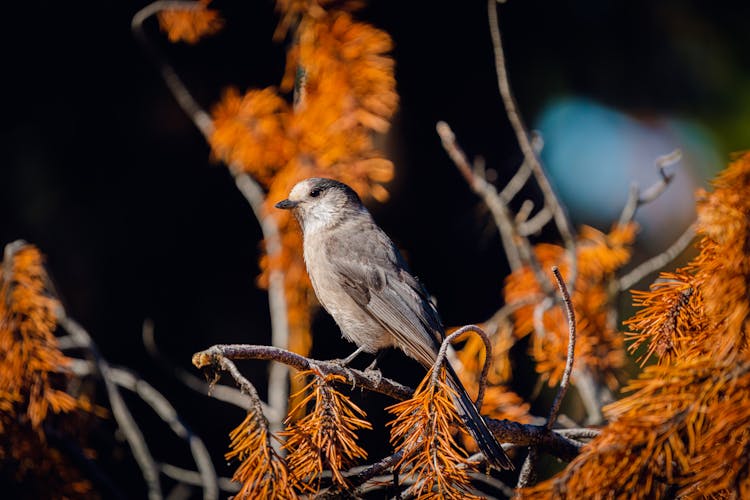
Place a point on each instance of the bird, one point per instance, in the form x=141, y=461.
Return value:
x=361, y=279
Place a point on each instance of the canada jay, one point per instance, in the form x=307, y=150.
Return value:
x=361, y=279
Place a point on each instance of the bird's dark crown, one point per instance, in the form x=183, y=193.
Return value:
x=323, y=184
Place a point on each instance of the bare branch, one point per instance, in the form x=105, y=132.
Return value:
x=658, y=261
x=193, y=478
x=200, y=118
x=522, y=174
x=517, y=248
x=578, y=434
x=636, y=199
x=218, y=391
x=571, y=348
x=530, y=155
x=536, y=223
x=487, y=357
x=167, y=412
x=214, y=355
x=120, y=411
x=499, y=210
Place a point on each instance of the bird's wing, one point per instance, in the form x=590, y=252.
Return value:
x=373, y=273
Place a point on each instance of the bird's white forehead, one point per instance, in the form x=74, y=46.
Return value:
x=299, y=191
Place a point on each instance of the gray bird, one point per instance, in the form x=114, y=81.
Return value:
x=361, y=279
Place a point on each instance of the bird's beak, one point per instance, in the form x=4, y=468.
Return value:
x=287, y=204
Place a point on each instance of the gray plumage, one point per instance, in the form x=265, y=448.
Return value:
x=361, y=279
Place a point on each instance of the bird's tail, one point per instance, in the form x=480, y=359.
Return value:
x=477, y=426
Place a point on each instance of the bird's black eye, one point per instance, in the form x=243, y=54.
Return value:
x=314, y=193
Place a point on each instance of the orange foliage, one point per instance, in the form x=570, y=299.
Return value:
x=33, y=373
x=684, y=430
x=422, y=430
x=326, y=437
x=190, y=24
x=31, y=365
x=262, y=472
x=599, y=346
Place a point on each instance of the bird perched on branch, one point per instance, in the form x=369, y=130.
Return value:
x=361, y=279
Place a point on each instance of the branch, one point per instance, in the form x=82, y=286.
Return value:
x=220, y=356
x=530, y=156
x=547, y=440
x=214, y=355
x=527, y=475
x=167, y=412
x=120, y=411
x=571, y=348
x=200, y=118
x=250, y=189
x=218, y=391
x=658, y=261
x=636, y=199
x=498, y=208
x=487, y=357
x=523, y=173
x=517, y=247
x=193, y=478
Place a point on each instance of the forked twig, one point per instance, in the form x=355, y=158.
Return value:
x=637, y=199
x=524, y=142
x=498, y=208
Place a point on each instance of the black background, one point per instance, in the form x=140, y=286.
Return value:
x=103, y=171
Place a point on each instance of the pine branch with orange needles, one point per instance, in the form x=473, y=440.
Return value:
x=660, y=439
x=325, y=438
x=30, y=360
x=423, y=432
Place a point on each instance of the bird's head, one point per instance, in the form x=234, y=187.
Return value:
x=318, y=203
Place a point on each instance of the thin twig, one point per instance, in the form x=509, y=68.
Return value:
x=499, y=210
x=193, y=478
x=250, y=189
x=517, y=248
x=120, y=410
x=571, y=348
x=536, y=223
x=487, y=358
x=579, y=434
x=658, y=261
x=523, y=173
x=167, y=412
x=593, y=395
x=200, y=118
x=511, y=109
x=216, y=390
x=636, y=199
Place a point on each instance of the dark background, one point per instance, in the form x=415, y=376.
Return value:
x=103, y=171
